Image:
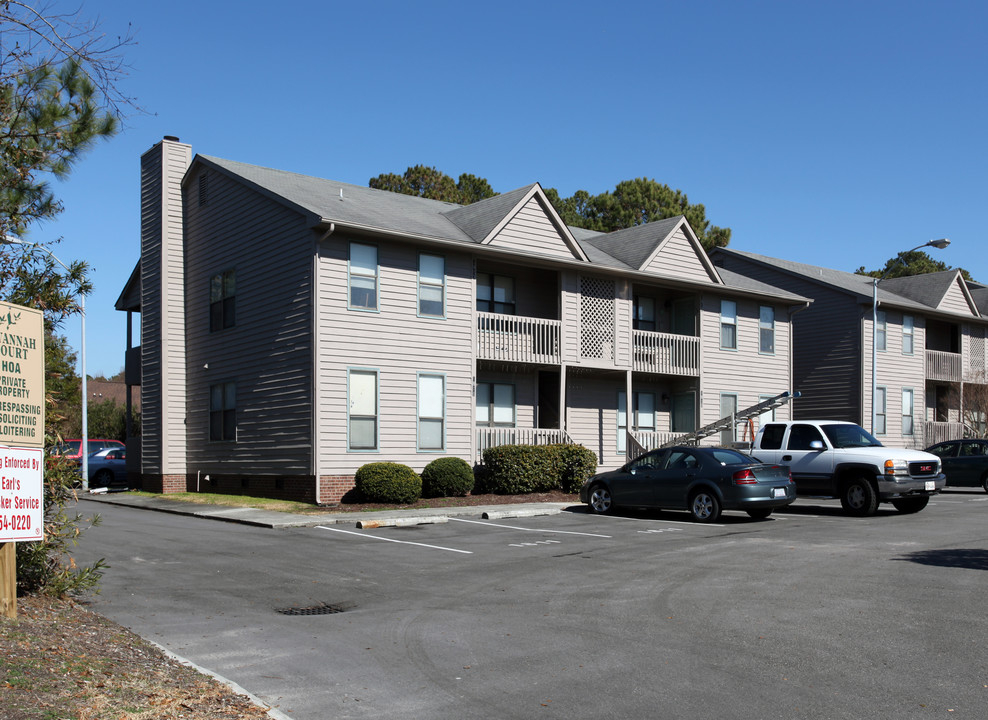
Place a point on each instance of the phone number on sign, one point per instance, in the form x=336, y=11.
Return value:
x=15, y=522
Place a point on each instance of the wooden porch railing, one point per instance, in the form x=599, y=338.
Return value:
x=666, y=353
x=518, y=339
x=488, y=437
x=935, y=432
x=945, y=366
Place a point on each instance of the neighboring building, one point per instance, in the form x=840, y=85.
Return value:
x=295, y=328
x=931, y=347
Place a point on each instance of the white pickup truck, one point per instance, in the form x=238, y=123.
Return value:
x=840, y=459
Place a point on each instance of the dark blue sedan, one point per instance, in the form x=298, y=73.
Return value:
x=108, y=468
x=703, y=480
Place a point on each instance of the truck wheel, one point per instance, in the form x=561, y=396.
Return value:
x=910, y=505
x=859, y=498
x=984, y=482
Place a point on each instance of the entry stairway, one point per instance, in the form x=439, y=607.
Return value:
x=730, y=421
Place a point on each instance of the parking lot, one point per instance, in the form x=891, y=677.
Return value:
x=807, y=614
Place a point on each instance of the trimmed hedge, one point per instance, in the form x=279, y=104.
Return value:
x=447, y=477
x=517, y=469
x=388, y=482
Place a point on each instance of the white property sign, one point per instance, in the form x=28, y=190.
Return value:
x=21, y=494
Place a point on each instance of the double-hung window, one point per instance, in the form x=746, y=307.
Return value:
x=362, y=415
x=432, y=412
x=908, y=334
x=766, y=330
x=881, y=331
x=363, y=277
x=880, y=405
x=222, y=301
x=728, y=324
x=644, y=318
x=432, y=286
x=495, y=294
x=495, y=404
x=223, y=412
x=642, y=415
x=907, y=411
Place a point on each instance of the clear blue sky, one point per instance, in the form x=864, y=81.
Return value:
x=833, y=133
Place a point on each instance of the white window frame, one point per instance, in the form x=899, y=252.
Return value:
x=431, y=410
x=352, y=399
x=491, y=406
x=908, y=335
x=729, y=319
x=638, y=425
x=881, y=331
x=430, y=283
x=766, y=329
x=727, y=437
x=908, y=419
x=357, y=271
x=881, y=410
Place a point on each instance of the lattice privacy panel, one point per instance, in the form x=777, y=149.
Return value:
x=597, y=318
x=978, y=349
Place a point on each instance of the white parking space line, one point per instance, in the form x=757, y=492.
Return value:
x=400, y=542
x=661, y=520
x=539, y=530
x=536, y=543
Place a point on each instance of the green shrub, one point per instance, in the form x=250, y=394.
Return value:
x=575, y=465
x=519, y=469
x=388, y=482
x=447, y=477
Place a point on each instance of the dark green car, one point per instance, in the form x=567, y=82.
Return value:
x=964, y=462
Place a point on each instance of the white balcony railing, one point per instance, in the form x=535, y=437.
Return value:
x=935, y=432
x=945, y=366
x=666, y=353
x=518, y=339
x=488, y=437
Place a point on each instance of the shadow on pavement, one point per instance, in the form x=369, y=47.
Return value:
x=953, y=557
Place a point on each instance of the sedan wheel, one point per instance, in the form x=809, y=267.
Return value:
x=984, y=482
x=102, y=479
x=760, y=513
x=599, y=500
x=704, y=506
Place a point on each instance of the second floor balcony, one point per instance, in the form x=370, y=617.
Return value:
x=944, y=366
x=667, y=353
x=518, y=339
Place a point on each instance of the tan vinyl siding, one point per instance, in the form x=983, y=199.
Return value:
x=398, y=344
x=895, y=371
x=163, y=311
x=678, y=258
x=744, y=372
x=955, y=301
x=531, y=231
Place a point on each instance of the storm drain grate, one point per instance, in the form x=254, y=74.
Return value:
x=320, y=609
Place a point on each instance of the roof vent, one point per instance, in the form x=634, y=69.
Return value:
x=173, y=138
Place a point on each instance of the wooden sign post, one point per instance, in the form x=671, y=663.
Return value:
x=22, y=439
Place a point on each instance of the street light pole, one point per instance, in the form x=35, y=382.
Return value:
x=84, y=448
x=940, y=245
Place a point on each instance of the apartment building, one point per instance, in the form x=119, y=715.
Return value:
x=294, y=328
x=929, y=347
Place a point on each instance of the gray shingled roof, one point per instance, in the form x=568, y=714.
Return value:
x=633, y=246
x=361, y=206
x=479, y=219
x=928, y=288
x=860, y=286
x=382, y=210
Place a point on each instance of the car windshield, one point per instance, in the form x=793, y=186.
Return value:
x=68, y=448
x=846, y=435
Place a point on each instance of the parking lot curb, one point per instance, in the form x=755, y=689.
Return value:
x=401, y=522
x=519, y=513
